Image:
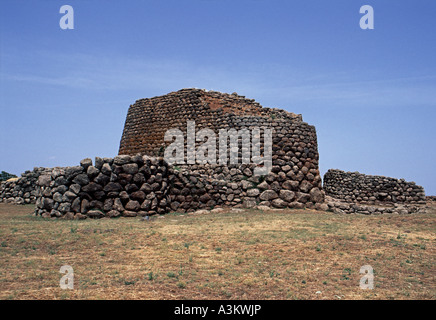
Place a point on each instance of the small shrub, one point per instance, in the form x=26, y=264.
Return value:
x=150, y=276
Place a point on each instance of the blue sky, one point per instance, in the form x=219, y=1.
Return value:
x=371, y=94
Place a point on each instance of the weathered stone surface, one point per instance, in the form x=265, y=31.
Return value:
x=263, y=185
x=57, y=197
x=84, y=206
x=290, y=185
x=44, y=180
x=253, y=192
x=113, y=186
x=316, y=195
x=302, y=197
x=361, y=188
x=122, y=159
x=92, y=187
x=146, y=205
x=75, y=188
x=146, y=188
x=118, y=205
x=61, y=189
x=75, y=205
x=249, y=203
x=305, y=186
x=73, y=171
x=47, y=204
x=138, y=195
x=133, y=205
x=86, y=163
x=321, y=206
x=268, y=195
x=99, y=163
x=95, y=214
x=64, y=207
x=246, y=184
x=279, y=203
x=130, y=168
x=287, y=195
x=92, y=172
x=79, y=216
x=338, y=211
x=81, y=179
x=127, y=213
x=61, y=180
x=107, y=205
x=68, y=216
x=205, y=198
x=106, y=169
x=113, y=214
x=102, y=179
x=68, y=196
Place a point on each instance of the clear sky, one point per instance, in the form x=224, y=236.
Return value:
x=371, y=94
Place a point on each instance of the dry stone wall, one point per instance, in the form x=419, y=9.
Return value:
x=138, y=182
x=139, y=185
x=204, y=187
x=111, y=187
x=21, y=190
x=294, y=180
x=368, y=189
x=343, y=207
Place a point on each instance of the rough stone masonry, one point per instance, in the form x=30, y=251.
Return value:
x=354, y=192
x=139, y=182
x=21, y=190
x=293, y=182
x=368, y=189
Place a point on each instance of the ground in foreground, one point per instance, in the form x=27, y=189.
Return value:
x=249, y=254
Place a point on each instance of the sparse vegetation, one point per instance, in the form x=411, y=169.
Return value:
x=230, y=255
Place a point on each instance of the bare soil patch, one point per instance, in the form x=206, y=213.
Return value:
x=248, y=254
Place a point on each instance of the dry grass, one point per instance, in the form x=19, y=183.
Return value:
x=231, y=255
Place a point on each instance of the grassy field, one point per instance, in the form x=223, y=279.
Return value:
x=292, y=254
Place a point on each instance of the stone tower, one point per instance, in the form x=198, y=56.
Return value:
x=294, y=180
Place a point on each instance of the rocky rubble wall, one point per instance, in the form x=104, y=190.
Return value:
x=294, y=180
x=139, y=185
x=111, y=187
x=204, y=187
x=354, y=187
x=430, y=199
x=21, y=190
x=343, y=207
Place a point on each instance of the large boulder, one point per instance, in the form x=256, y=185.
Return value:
x=287, y=195
x=268, y=195
x=316, y=195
